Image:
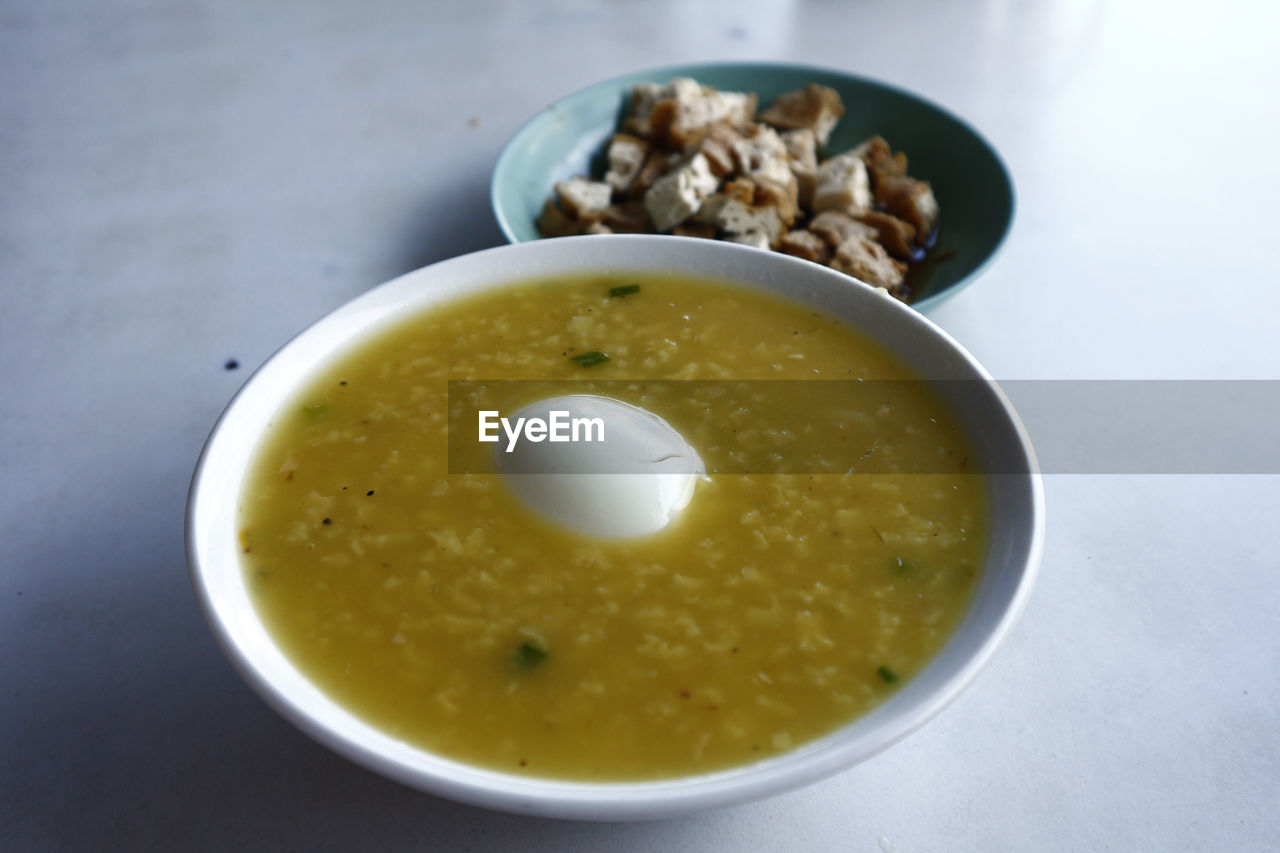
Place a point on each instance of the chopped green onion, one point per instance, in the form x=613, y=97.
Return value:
x=887, y=674
x=624, y=290
x=589, y=359
x=528, y=655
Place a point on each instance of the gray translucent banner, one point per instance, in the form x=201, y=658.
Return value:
x=841, y=427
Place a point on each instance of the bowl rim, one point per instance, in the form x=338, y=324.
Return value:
x=410, y=293
x=504, y=164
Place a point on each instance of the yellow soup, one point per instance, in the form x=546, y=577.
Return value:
x=433, y=603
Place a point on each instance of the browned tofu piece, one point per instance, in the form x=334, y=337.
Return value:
x=770, y=194
x=552, y=221
x=643, y=97
x=802, y=150
x=661, y=118
x=754, y=212
x=626, y=155
x=882, y=163
x=696, y=229
x=584, y=199
x=911, y=200
x=696, y=107
x=896, y=235
x=628, y=217
x=815, y=107
x=802, y=147
x=639, y=128
x=754, y=239
x=841, y=183
x=866, y=260
x=717, y=145
x=680, y=193
x=762, y=155
x=679, y=113
x=644, y=118
x=740, y=189
x=805, y=244
x=836, y=228
x=655, y=166
x=897, y=192
x=855, y=252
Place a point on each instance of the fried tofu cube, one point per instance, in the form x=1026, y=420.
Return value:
x=836, y=227
x=910, y=200
x=717, y=146
x=805, y=244
x=678, y=112
x=866, y=260
x=584, y=199
x=705, y=230
x=643, y=97
x=816, y=108
x=782, y=198
x=737, y=219
x=802, y=153
x=802, y=147
x=761, y=192
x=627, y=217
x=745, y=207
x=552, y=221
x=756, y=239
x=679, y=194
x=896, y=235
x=842, y=184
x=761, y=154
x=655, y=166
x=626, y=157
x=697, y=107
x=855, y=252
x=900, y=194
x=881, y=162
x=639, y=120
x=742, y=189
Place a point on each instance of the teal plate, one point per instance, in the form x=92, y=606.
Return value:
x=973, y=187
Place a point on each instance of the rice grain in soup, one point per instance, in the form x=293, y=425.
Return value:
x=777, y=608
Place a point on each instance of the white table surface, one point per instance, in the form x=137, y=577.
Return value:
x=190, y=182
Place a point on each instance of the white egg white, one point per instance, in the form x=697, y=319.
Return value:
x=634, y=482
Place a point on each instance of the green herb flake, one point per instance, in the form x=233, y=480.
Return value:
x=623, y=290
x=590, y=359
x=528, y=655
x=888, y=675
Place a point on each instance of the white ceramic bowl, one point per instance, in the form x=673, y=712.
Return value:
x=1002, y=445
